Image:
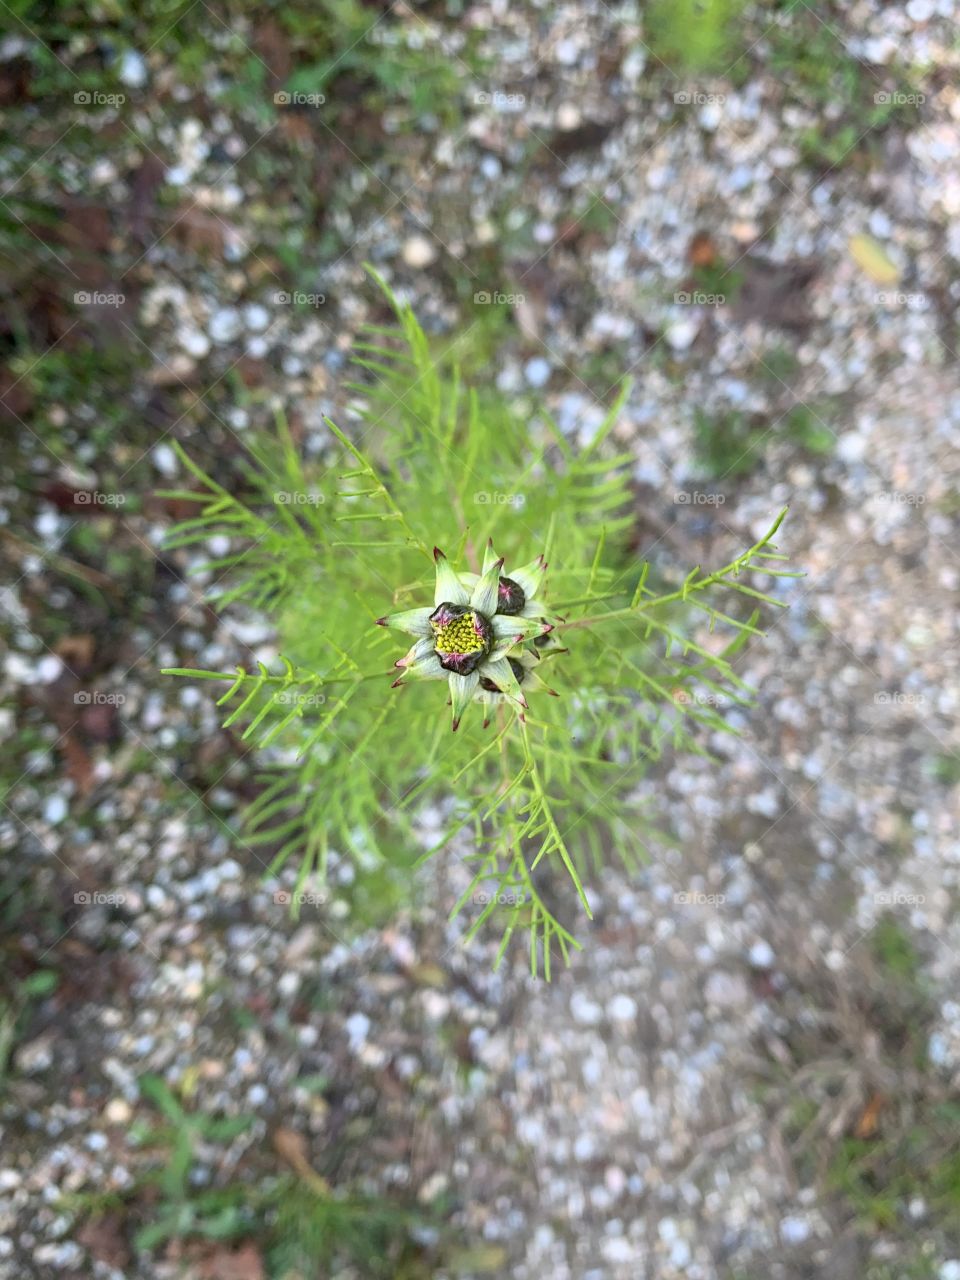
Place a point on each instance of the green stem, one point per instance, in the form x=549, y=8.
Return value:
x=233, y=675
x=682, y=593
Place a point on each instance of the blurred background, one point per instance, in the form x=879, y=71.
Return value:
x=752, y=1069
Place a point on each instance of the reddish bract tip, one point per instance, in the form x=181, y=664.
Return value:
x=382, y=622
x=396, y=684
x=553, y=693
x=547, y=628
x=486, y=724
x=500, y=563
x=438, y=554
x=456, y=725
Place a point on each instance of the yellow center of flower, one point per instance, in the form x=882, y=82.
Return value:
x=460, y=635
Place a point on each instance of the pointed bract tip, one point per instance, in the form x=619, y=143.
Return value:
x=397, y=683
x=438, y=554
x=400, y=662
x=382, y=622
x=490, y=543
x=547, y=628
x=456, y=725
x=553, y=693
x=523, y=702
x=486, y=724
x=500, y=563
x=559, y=619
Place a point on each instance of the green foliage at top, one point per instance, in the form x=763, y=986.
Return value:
x=326, y=548
x=695, y=35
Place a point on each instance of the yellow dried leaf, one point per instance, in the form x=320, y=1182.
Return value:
x=871, y=257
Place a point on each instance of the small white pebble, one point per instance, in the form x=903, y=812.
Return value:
x=762, y=955
x=55, y=809
x=622, y=1008
x=164, y=459
x=225, y=325
x=356, y=1027
x=256, y=317
x=195, y=342
x=795, y=1230
x=132, y=70
x=418, y=251
x=537, y=372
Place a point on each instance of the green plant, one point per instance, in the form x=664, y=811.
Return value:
x=326, y=549
x=731, y=443
x=809, y=57
x=945, y=768
x=307, y=1229
x=299, y=1221
x=894, y=950
x=183, y=1208
x=15, y=1008
x=395, y=61
x=726, y=443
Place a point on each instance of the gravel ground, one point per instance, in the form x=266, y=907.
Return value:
x=630, y=1120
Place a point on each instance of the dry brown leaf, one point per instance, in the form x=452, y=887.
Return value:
x=292, y=1147
x=703, y=252
x=244, y=1263
x=104, y=1238
x=869, y=1119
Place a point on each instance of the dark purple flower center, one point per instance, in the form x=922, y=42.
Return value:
x=462, y=637
x=511, y=597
